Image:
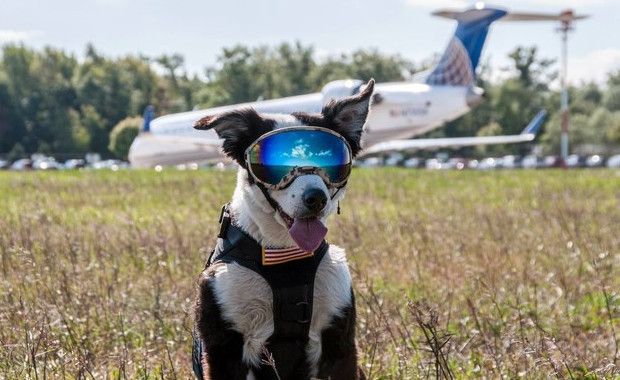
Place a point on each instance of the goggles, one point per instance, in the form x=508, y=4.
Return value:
x=276, y=158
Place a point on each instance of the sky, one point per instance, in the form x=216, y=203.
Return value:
x=200, y=29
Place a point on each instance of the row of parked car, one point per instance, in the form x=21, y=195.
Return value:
x=42, y=162
x=490, y=163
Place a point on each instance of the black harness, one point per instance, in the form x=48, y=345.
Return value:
x=292, y=286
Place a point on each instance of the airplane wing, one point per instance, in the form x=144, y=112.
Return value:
x=456, y=14
x=528, y=134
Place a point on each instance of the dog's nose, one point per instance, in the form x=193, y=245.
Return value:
x=315, y=199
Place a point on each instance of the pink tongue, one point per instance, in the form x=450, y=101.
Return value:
x=308, y=233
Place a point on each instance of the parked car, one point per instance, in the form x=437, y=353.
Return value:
x=472, y=164
x=433, y=164
x=530, y=162
x=510, y=162
x=394, y=159
x=488, y=163
x=614, y=161
x=113, y=165
x=457, y=163
x=4, y=164
x=370, y=162
x=575, y=161
x=74, y=164
x=45, y=163
x=552, y=162
x=190, y=166
x=412, y=162
x=594, y=161
x=22, y=164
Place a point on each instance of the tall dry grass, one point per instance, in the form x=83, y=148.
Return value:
x=458, y=275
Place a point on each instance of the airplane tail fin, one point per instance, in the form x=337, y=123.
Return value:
x=148, y=116
x=534, y=126
x=457, y=66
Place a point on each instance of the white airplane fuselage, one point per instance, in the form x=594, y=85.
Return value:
x=401, y=110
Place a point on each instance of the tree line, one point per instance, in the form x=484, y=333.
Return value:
x=54, y=103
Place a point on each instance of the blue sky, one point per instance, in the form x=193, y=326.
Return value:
x=199, y=29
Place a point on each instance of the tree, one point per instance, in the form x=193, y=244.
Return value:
x=12, y=128
x=97, y=130
x=491, y=129
x=532, y=71
x=80, y=136
x=613, y=79
x=611, y=99
x=123, y=134
x=43, y=96
x=613, y=129
x=171, y=63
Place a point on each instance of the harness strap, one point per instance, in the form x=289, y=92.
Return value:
x=291, y=283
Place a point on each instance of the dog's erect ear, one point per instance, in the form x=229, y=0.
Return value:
x=347, y=116
x=238, y=129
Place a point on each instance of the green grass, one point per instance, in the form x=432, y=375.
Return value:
x=520, y=269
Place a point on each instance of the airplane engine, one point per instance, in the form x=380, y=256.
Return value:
x=340, y=88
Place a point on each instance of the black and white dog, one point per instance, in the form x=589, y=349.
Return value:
x=249, y=323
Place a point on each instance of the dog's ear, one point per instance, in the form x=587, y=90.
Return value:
x=347, y=116
x=238, y=129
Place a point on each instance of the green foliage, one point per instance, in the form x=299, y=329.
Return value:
x=613, y=79
x=612, y=130
x=612, y=98
x=96, y=126
x=246, y=74
x=491, y=129
x=16, y=152
x=80, y=136
x=123, y=135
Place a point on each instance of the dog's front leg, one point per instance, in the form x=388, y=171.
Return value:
x=222, y=346
x=339, y=356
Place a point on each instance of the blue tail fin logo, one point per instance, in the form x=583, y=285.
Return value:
x=457, y=66
x=149, y=114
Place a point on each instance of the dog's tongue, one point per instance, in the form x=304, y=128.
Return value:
x=308, y=233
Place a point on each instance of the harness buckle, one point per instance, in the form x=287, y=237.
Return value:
x=224, y=222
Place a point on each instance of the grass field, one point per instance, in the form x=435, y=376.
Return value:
x=511, y=274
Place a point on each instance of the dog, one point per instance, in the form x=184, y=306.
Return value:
x=248, y=327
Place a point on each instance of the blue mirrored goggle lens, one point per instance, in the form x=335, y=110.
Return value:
x=275, y=156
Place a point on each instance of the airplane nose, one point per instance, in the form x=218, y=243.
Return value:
x=314, y=199
x=474, y=96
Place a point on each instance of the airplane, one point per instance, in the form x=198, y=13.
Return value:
x=400, y=110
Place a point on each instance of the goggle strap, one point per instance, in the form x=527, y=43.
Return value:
x=270, y=200
x=338, y=189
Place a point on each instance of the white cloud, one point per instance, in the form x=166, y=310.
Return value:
x=594, y=66
x=15, y=35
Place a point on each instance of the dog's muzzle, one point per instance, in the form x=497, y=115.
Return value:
x=315, y=200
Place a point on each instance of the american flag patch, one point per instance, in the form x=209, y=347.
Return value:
x=273, y=256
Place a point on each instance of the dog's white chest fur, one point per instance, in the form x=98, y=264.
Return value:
x=246, y=302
